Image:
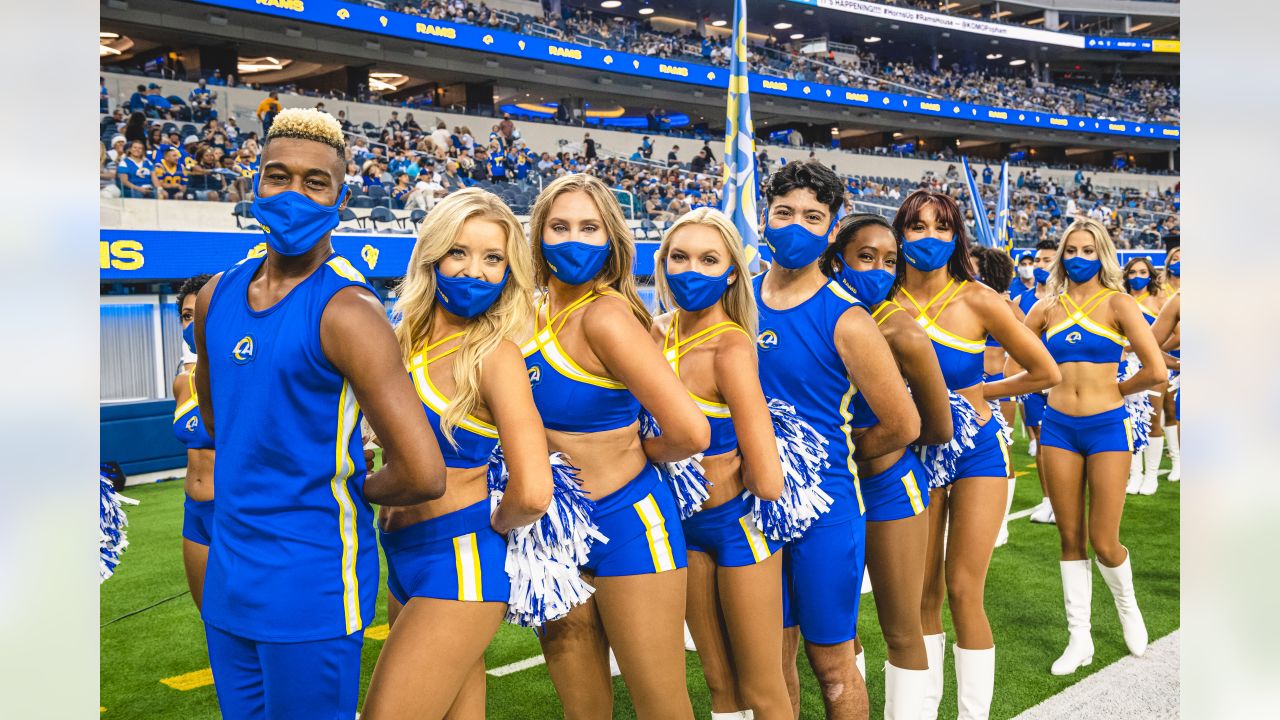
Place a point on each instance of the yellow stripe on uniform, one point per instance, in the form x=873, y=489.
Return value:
x=847, y=429
x=913, y=490
x=755, y=538
x=655, y=529
x=1128, y=433
x=348, y=411
x=343, y=267
x=467, y=556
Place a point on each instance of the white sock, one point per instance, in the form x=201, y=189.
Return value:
x=735, y=715
x=1171, y=433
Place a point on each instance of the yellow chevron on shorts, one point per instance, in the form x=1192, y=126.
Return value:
x=755, y=538
x=655, y=530
x=466, y=555
x=913, y=490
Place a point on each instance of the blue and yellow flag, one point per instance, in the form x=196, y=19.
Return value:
x=981, y=228
x=1004, y=219
x=740, y=196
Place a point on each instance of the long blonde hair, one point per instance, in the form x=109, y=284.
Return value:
x=509, y=316
x=1110, y=276
x=739, y=299
x=617, y=273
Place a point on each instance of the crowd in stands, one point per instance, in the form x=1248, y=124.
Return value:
x=1146, y=100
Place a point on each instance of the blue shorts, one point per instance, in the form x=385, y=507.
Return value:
x=822, y=581
x=254, y=680
x=1033, y=406
x=197, y=521
x=902, y=491
x=989, y=456
x=457, y=556
x=642, y=523
x=729, y=535
x=1105, y=432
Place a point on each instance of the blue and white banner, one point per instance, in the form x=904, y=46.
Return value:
x=372, y=21
x=981, y=228
x=740, y=196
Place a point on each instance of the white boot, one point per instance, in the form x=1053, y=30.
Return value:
x=1120, y=580
x=861, y=661
x=1152, y=455
x=1077, y=594
x=1003, y=537
x=614, y=670
x=935, y=647
x=1031, y=448
x=688, y=640
x=975, y=682
x=1043, y=513
x=1175, y=454
x=735, y=715
x=1135, y=472
x=866, y=583
x=903, y=692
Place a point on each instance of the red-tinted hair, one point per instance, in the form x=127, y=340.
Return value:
x=947, y=209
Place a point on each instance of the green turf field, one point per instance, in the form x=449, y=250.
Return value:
x=153, y=661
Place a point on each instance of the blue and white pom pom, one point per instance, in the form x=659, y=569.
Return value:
x=112, y=521
x=685, y=478
x=1006, y=431
x=940, y=460
x=543, y=557
x=803, y=453
x=1137, y=405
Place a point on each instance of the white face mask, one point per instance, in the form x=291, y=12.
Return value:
x=1026, y=272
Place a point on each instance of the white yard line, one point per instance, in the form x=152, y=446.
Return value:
x=1145, y=687
x=516, y=667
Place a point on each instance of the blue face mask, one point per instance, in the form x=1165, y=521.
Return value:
x=574, y=263
x=870, y=286
x=293, y=222
x=927, y=254
x=468, y=297
x=694, y=291
x=1139, y=283
x=1041, y=275
x=189, y=336
x=1175, y=269
x=1081, y=270
x=793, y=246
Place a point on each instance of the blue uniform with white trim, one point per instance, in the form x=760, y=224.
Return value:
x=1078, y=338
x=188, y=427
x=799, y=364
x=293, y=561
x=640, y=519
x=727, y=532
x=458, y=555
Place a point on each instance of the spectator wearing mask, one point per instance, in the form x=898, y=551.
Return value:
x=134, y=173
x=400, y=191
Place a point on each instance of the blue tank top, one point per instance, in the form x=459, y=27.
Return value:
x=800, y=365
x=863, y=416
x=723, y=437
x=960, y=358
x=569, y=398
x=1017, y=289
x=1027, y=300
x=188, y=426
x=1079, y=339
x=294, y=557
x=476, y=438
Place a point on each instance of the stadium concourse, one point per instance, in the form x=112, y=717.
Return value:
x=191, y=88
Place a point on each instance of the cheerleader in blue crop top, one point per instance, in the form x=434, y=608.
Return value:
x=188, y=427
x=969, y=474
x=593, y=367
x=819, y=348
x=1142, y=283
x=894, y=487
x=1087, y=435
x=735, y=571
x=1171, y=278
x=465, y=297
x=291, y=344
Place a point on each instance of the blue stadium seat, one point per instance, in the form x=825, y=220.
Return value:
x=381, y=215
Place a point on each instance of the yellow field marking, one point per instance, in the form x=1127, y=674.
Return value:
x=191, y=680
x=1020, y=473
x=377, y=632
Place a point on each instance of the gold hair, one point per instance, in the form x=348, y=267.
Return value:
x=509, y=316
x=617, y=273
x=308, y=124
x=739, y=299
x=1109, y=276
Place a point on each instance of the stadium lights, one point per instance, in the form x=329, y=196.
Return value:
x=1018, y=62
x=871, y=39
x=108, y=35
x=994, y=56
x=610, y=4
x=1140, y=26
x=107, y=50
x=796, y=36
x=782, y=26
x=948, y=6
x=720, y=23
x=1002, y=13
x=646, y=11
x=1035, y=21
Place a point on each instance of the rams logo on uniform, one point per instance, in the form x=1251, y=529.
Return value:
x=192, y=422
x=767, y=340
x=1073, y=338
x=535, y=374
x=244, y=351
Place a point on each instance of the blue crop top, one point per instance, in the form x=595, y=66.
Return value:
x=475, y=438
x=723, y=437
x=1079, y=339
x=863, y=416
x=569, y=398
x=1147, y=314
x=960, y=358
x=188, y=426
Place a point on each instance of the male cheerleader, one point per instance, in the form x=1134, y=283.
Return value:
x=293, y=346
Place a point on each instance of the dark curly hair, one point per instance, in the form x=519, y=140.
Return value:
x=191, y=286
x=819, y=178
x=995, y=267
